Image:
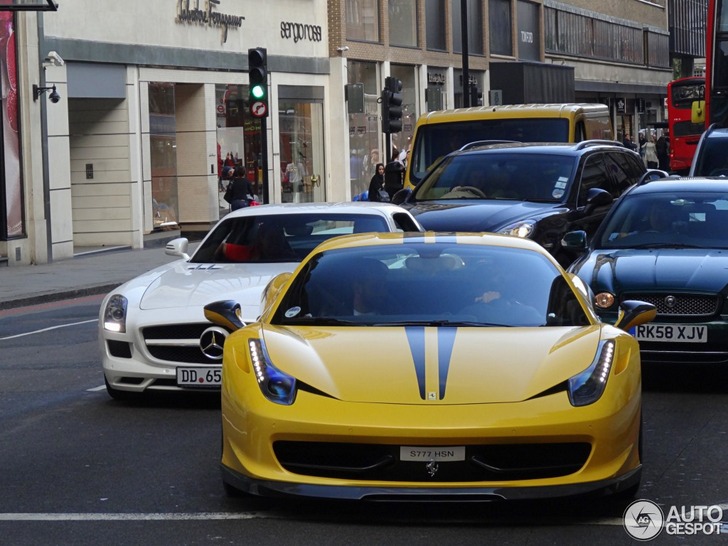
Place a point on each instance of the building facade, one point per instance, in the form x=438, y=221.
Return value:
x=153, y=99
x=152, y=103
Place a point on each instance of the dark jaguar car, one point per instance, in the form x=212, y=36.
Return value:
x=666, y=243
x=538, y=191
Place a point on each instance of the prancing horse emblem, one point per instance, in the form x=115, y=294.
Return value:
x=432, y=468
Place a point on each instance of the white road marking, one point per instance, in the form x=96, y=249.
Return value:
x=48, y=329
x=182, y=516
x=97, y=389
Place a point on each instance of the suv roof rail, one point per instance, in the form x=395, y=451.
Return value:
x=597, y=142
x=475, y=143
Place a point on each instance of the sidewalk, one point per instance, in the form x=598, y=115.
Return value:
x=93, y=272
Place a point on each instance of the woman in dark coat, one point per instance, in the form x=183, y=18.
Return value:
x=376, y=183
x=240, y=190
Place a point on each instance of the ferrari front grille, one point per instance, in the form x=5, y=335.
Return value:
x=670, y=304
x=482, y=462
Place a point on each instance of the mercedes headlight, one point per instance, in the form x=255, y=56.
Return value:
x=275, y=385
x=115, y=314
x=587, y=387
x=522, y=229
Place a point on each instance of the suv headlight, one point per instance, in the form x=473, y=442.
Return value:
x=275, y=385
x=604, y=300
x=587, y=387
x=522, y=229
x=115, y=314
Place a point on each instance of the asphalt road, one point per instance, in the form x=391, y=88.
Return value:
x=79, y=468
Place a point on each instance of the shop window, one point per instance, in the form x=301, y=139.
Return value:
x=364, y=128
x=11, y=194
x=163, y=154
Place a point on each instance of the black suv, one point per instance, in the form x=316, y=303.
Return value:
x=711, y=155
x=539, y=191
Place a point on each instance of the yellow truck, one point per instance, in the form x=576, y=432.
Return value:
x=439, y=133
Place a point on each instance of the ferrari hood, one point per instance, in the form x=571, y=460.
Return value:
x=431, y=365
x=473, y=215
x=195, y=285
x=657, y=269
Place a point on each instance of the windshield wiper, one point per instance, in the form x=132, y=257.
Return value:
x=663, y=245
x=450, y=323
x=319, y=321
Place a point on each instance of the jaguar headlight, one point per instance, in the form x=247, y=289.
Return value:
x=522, y=229
x=115, y=314
x=275, y=385
x=604, y=300
x=587, y=387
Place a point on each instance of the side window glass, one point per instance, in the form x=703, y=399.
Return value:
x=623, y=171
x=593, y=175
x=579, y=132
x=404, y=222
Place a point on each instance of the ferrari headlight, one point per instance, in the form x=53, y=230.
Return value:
x=588, y=386
x=604, y=300
x=115, y=314
x=522, y=229
x=275, y=385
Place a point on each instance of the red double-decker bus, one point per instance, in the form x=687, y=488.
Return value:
x=684, y=132
x=716, y=63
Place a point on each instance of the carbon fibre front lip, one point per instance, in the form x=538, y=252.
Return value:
x=269, y=488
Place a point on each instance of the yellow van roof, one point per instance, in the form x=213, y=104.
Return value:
x=509, y=110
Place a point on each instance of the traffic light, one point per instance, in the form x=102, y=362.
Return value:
x=392, y=105
x=258, y=80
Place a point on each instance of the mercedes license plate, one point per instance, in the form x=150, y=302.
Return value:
x=199, y=376
x=673, y=333
x=426, y=454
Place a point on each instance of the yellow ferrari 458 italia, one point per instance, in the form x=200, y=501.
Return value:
x=430, y=366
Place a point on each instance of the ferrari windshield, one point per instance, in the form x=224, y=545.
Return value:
x=500, y=174
x=668, y=220
x=437, y=284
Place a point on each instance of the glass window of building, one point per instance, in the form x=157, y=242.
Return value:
x=163, y=153
x=11, y=193
x=403, y=23
x=435, y=92
x=236, y=147
x=435, y=25
x=499, y=22
x=301, y=121
x=362, y=20
x=474, y=17
x=529, y=41
x=364, y=128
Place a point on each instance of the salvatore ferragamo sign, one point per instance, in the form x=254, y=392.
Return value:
x=190, y=12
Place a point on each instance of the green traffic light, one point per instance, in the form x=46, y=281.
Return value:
x=257, y=91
